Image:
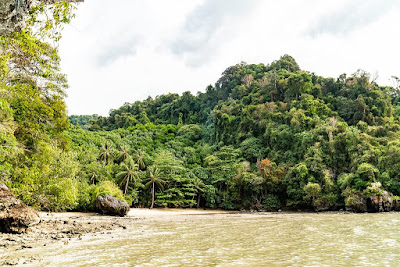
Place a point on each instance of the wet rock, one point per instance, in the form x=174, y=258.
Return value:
x=15, y=216
x=10, y=262
x=111, y=205
x=356, y=203
x=380, y=202
x=320, y=205
x=396, y=204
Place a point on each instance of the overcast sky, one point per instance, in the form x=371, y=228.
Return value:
x=118, y=51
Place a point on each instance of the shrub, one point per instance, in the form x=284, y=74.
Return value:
x=271, y=202
x=62, y=195
x=107, y=188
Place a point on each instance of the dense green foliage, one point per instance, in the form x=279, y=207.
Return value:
x=35, y=160
x=264, y=137
x=84, y=121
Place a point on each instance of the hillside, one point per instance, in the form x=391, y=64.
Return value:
x=263, y=137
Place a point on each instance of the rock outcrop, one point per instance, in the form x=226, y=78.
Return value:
x=357, y=203
x=15, y=216
x=381, y=202
x=396, y=204
x=111, y=205
x=14, y=12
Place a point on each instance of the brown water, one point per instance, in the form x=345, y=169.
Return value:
x=299, y=239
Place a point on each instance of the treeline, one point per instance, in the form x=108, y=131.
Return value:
x=264, y=137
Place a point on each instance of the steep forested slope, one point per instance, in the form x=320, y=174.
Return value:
x=265, y=136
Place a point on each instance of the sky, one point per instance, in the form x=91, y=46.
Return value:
x=126, y=50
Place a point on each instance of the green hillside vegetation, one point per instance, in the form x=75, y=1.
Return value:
x=263, y=137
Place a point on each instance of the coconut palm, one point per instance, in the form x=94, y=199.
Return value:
x=106, y=155
x=199, y=189
x=129, y=172
x=154, y=180
x=139, y=157
x=93, y=178
x=123, y=154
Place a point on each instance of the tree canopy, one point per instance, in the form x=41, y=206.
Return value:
x=263, y=137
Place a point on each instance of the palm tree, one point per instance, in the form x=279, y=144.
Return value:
x=123, y=154
x=93, y=178
x=139, y=157
x=106, y=153
x=199, y=188
x=129, y=173
x=153, y=180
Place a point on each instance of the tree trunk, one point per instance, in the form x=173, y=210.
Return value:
x=152, y=196
x=126, y=186
x=198, y=201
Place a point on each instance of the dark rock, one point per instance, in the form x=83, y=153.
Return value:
x=381, y=202
x=357, y=203
x=111, y=205
x=396, y=204
x=15, y=216
x=320, y=205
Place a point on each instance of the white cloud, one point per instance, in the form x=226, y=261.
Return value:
x=351, y=15
x=208, y=27
x=122, y=51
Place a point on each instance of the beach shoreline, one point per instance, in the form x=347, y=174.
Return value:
x=60, y=228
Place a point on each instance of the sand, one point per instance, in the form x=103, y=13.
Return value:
x=62, y=227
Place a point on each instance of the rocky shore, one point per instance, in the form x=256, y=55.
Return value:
x=53, y=228
x=61, y=230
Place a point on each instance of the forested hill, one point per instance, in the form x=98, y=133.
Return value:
x=265, y=136
x=243, y=88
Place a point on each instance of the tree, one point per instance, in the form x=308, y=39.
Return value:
x=299, y=83
x=247, y=80
x=124, y=154
x=153, y=180
x=312, y=190
x=139, y=156
x=129, y=173
x=106, y=154
x=199, y=189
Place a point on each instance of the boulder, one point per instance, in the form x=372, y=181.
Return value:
x=15, y=216
x=111, y=205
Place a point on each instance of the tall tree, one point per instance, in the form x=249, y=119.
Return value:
x=106, y=155
x=139, y=157
x=154, y=179
x=199, y=189
x=129, y=173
